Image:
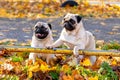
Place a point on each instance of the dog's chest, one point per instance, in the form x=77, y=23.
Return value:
x=38, y=44
x=41, y=43
x=69, y=39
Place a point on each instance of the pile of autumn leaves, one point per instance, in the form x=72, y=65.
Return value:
x=20, y=9
x=16, y=66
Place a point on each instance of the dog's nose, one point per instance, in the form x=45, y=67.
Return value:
x=42, y=26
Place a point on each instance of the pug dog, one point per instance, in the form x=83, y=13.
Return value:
x=75, y=37
x=42, y=37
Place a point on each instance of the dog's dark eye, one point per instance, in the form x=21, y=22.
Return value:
x=36, y=26
x=72, y=21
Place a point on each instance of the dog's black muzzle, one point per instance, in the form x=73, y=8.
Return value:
x=41, y=32
x=68, y=26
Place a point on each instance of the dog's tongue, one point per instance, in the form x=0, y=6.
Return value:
x=40, y=35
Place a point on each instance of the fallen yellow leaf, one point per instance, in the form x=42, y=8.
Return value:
x=114, y=62
x=93, y=78
x=30, y=74
x=86, y=62
x=34, y=68
x=44, y=68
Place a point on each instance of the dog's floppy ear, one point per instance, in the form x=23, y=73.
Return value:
x=78, y=18
x=49, y=25
x=64, y=15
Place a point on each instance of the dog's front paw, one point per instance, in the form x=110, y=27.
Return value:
x=49, y=47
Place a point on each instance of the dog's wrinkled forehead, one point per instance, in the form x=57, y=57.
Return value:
x=70, y=16
x=39, y=24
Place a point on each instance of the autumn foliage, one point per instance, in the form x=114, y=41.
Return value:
x=26, y=9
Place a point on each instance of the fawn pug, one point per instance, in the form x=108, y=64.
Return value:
x=75, y=37
x=42, y=37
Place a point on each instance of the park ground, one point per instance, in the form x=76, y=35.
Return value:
x=21, y=29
